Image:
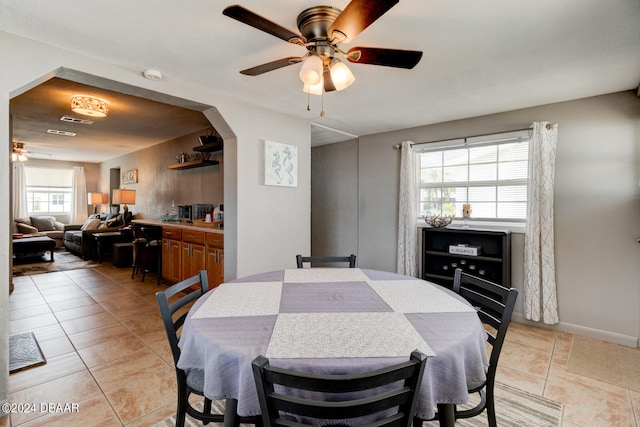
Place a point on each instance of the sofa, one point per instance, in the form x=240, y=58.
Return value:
x=78, y=238
x=42, y=226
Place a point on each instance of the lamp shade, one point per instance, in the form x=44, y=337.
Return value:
x=129, y=197
x=95, y=198
x=341, y=75
x=311, y=71
x=116, y=197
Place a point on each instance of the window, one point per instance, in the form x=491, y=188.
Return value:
x=48, y=190
x=488, y=172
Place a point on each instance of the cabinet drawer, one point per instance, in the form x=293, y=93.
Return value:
x=190, y=236
x=215, y=239
x=171, y=233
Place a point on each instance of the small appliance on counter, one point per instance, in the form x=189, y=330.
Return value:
x=218, y=213
x=184, y=213
x=200, y=211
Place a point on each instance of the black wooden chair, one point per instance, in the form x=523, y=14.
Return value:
x=494, y=304
x=332, y=397
x=139, y=241
x=188, y=381
x=351, y=259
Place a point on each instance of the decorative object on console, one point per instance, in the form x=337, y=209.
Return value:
x=466, y=214
x=280, y=164
x=438, y=221
x=124, y=197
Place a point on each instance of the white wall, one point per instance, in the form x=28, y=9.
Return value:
x=597, y=206
x=272, y=224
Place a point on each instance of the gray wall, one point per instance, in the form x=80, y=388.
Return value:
x=158, y=186
x=597, y=205
x=334, y=199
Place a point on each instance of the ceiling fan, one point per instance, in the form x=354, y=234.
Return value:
x=21, y=154
x=322, y=29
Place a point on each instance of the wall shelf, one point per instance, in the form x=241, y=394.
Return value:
x=193, y=164
x=210, y=147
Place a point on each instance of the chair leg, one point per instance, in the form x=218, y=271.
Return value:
x=183, y=401
x=206, y=409
x=490, y=407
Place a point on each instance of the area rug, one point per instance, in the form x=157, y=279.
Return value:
x=62, y=261
x=610, y=363
x=514, y=407
x=24, y=352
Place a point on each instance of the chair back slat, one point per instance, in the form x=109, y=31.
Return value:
x=339, y=397
x=300, y=260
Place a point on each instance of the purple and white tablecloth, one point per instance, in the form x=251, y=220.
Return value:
x=333, y=320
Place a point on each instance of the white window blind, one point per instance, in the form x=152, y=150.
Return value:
x=48, y=190
x=487, y=172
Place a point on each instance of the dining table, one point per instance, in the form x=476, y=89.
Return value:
x=333, y=321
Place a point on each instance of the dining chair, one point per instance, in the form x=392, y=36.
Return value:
x=139, y=241
x=351, y=259
x=494, y=304
x=192, y=381
x=294, y=398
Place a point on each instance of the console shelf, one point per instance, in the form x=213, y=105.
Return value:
x=493, y=263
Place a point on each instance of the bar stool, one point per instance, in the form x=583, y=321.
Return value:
x=151, y=251
x=139, y=241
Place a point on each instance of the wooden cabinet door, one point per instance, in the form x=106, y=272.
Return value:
x=193, y=259
x=171, y=260
x=215, y=266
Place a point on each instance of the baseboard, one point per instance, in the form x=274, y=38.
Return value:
x=613, y=337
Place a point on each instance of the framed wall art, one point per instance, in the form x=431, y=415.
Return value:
x=129, y=177
x=280, y=164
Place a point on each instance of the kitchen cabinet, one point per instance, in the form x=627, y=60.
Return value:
x=215, y=258
x=185, y=252
x=171, y=244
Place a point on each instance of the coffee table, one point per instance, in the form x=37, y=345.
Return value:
x=33, y=245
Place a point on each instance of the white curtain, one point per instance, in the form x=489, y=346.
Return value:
x=407, y=212
x=79, y=200
x=540, y=300
x=19, y=191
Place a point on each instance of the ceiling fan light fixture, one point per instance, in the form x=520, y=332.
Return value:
x=341, y=75
x=311, y=71
x=89, y=106
x=314, y=89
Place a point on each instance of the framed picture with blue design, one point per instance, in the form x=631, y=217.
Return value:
x=280, y=164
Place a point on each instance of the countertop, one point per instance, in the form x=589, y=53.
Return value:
x=179, y=224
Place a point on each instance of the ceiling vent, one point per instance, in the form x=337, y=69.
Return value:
x=76, y=120
x=61, y=132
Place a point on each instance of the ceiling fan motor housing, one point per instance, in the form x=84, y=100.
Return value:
x=314, y=22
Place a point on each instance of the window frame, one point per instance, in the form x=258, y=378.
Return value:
x=497, y=139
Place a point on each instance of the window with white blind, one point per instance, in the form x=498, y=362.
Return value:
x=488, y=172
x=48, y=190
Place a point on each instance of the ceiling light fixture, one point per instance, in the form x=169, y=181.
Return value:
x=89, y=106
x=19, y=153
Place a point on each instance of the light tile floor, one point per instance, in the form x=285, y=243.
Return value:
x=106, y=351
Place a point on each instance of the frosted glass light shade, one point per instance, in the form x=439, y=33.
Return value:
x=341, y=75
x=311, y=71
x=314, y=89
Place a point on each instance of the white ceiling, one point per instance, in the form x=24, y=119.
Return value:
x=480, y=57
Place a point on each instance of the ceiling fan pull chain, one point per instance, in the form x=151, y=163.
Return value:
x=322, y=104
x=308, y=101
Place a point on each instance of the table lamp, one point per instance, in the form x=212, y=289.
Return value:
x=95, y=199
x=123, y=196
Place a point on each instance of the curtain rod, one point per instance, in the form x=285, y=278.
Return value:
x=549, y=126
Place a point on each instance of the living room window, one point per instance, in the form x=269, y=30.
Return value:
x=488, y=172
x=48, y=190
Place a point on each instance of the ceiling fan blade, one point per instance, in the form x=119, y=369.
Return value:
x=248, y=17
x=328, y=81
x=270, y=66
x=387, y=57
x=357, y=16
